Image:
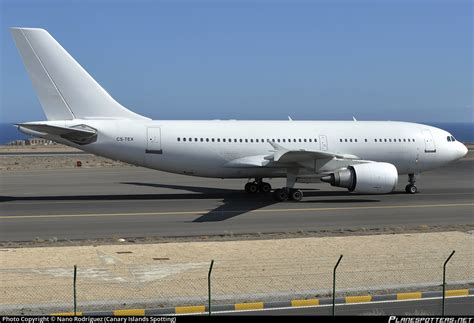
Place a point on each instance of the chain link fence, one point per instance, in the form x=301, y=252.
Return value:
x=162, y=285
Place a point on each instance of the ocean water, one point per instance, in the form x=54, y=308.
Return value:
x=462, y=131
x=8, y=132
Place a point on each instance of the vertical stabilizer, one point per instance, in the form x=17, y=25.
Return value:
x=65, y=90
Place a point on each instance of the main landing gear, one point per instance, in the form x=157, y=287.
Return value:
x=257, y=186
x=411, y=188
x=286, y=193
x=281, y=194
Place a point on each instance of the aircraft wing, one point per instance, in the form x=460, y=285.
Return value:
x=284, y=155
x=80, y=134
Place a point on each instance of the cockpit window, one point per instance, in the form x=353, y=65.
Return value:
x=449, y=138
x=452, y=138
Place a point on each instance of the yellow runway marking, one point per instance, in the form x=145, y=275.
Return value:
x=129, y=312
x=237, y=211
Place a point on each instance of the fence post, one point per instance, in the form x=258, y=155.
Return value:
x=209, y=284
x=334, y=287
x=444, y=280
x=74, y=290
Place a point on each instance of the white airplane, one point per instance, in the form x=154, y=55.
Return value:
x=362, y=156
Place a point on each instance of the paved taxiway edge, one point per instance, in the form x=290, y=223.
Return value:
x=200, y=309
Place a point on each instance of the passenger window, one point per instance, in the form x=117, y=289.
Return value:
x=310, y=140
x=404, y=140
x=355, y=140
x=304, y=140
x=413, y=140
x=385, y=140
x=218, y=139
x=350, y=140
x=223, y=139
x=283, y=140
x=179, y=139
x=345, y=140
x=299, y=140
x=375, y=140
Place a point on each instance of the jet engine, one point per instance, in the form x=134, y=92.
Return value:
x=370, y=178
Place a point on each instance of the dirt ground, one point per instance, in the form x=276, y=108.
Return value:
x=176, y=273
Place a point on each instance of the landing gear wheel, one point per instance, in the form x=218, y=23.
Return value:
x=246, y=188
x=251, y=188
x=411, y=189
x=281, y=195
x=296, y=195
x=265, y=188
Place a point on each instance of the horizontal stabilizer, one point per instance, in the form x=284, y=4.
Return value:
x=80, y=134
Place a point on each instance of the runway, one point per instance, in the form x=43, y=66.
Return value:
x=132, y=202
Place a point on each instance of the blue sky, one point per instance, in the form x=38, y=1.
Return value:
x=376, y=60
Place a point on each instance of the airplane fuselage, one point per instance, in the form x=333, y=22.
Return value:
x=207, y=148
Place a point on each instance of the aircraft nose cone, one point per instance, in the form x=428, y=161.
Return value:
x=463, y=150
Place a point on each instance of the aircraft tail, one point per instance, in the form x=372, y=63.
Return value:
x=65, y=90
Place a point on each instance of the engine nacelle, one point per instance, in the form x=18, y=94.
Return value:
x=370, y=178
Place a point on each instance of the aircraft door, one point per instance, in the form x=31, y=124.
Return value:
x=154, y=140
x=323, y=142
x=429, y=141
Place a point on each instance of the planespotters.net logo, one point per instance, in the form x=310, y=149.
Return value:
x=396, y=319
